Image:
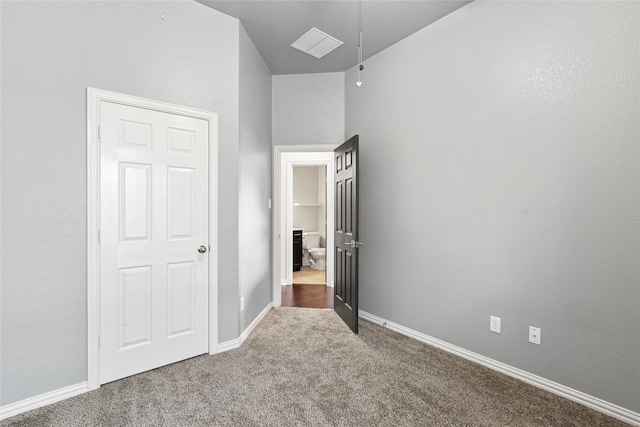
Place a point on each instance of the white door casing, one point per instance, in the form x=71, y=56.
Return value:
x=284, y=158
x=152, y=294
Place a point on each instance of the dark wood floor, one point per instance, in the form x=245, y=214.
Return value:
x=310, y=296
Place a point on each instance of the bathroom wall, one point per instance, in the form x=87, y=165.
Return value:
x=322, y=211
x=309, y=199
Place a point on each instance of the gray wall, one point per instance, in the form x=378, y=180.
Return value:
x=307, y=183
x=500, y=170
x=308, y=109
x=51, y=52
x=254, y=216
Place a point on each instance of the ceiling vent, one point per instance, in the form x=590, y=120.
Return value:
x=316, y=43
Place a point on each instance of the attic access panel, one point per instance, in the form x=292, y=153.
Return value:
x=316, y=43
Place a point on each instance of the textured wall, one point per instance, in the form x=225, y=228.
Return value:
x=308, y=109
x=51, y=52
x=500, y=170
x=254, y=216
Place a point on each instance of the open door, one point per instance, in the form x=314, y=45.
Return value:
x=345, y=300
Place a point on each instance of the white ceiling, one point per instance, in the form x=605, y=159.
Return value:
x=273, y=25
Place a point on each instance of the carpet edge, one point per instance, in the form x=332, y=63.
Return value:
x=16, y=408
x=574, y=395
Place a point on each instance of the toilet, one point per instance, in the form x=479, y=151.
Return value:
x=317, y=255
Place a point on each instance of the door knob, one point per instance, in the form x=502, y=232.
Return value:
x=202, y=249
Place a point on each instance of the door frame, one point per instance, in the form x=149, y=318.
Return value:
x=94, y=97
x=284, y=158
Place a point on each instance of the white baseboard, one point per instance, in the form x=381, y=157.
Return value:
x=13, y=409
x=592, y=402
x=237, y=342
x=255, y=323
x=228, y=345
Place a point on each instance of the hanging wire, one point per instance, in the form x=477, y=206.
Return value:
x=360, y=65
x=359, y=32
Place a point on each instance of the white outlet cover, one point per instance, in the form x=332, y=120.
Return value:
x=534, y=335
x=494, y=324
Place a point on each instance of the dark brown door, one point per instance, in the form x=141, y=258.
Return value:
x=345, y=300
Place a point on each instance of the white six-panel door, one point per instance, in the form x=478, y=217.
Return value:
x=153, y=239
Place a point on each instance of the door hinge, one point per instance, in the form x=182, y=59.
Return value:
x=99, y=237
x=99, y=132
x=100, y=341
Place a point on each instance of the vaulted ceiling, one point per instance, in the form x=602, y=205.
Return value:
x=273, y=25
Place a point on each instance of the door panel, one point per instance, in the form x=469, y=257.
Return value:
x=181, y=288
x=134, y=308
x=135, y=202
x=181, y=199
x=153, y=218
x=346, y=233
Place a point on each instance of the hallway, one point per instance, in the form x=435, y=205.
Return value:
x=309, y=296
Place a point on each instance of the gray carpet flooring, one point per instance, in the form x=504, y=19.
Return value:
x=304, y=367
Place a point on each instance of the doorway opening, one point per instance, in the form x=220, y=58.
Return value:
x=309, y=225
x=285, y=159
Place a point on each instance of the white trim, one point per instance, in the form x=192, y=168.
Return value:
x=94, y=97
x=236, y=343
x=592, y=402
x=35, y=402
x=93, y=253
x=288, y=161
x=255, y=323
x=595, y=403
x=39, y=401
x=229, y=345
x=284, y=156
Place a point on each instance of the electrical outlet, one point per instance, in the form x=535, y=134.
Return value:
x=494, y=324
x=242, y=304
x=534, y=335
